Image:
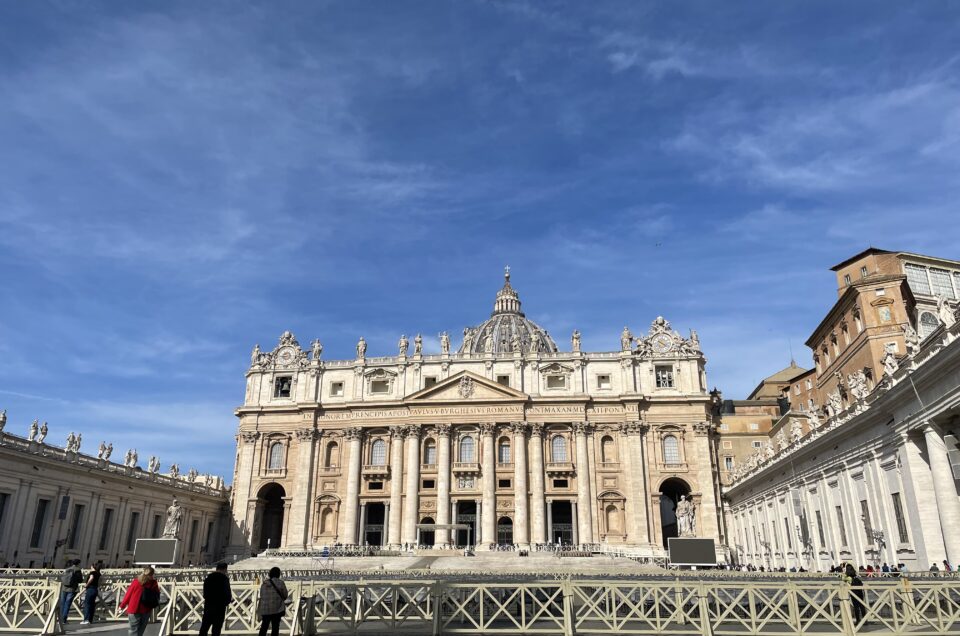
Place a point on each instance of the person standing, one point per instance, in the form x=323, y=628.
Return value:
x=70, y=580
x=272, y=604
x=142, y=597
x=90, y=591
x=216, y=598
x=858, y=596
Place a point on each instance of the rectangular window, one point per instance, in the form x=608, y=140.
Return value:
x=776, y=535
x=901, y=522
x=820, y=529
x=194, y=528
x=380, y=386
x=917, y=279
x=664, y=377
x=809, y=384
x=429, y=484
x=757, y=444
x=74, y=532
x=504, y=380
x=754, y=426
x=133, y=530
x=841, y=527
x=282, y=386
x=865, y=517
x=561, y=483
x=556, y=382
x=846, y=279
x=788, y=534
x=375, y=485
x=429, y=381
x=157, y=527
x=336, y=389
x=727, y=445
x=503, y=483
x=880, y=292
x=728, y=463
x=39, y=521
x=940, y=281
x=603, y=382
x=105, y=528
x=206, y=545
x=724, y=426
x=863, y=272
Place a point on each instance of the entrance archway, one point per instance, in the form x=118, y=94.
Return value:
x=373, y=530
x=466, y=513
x=504, y=531
x=670, y=493
x=561, y=526
x=427, y=536
x=270, y=501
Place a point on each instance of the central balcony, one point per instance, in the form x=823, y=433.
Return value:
x=376, y=470
x=559, y=467
x=466, y=467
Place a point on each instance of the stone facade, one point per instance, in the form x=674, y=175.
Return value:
x=523, y=443
x=58, y=503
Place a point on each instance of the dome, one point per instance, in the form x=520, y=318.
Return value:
x=507, y=329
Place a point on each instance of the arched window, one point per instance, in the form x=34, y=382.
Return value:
x=671, y=450
x=378, y=453
x=503, y=451
x=430, y=452
x=928, y=324
x=467, y=450
x=558, y=448
x=332, y=459
x=276, y=456
x=608, y=451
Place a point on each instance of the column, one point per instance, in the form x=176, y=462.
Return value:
x=944, y=491
x=298, y=535
x=520, y=535
x=550, y=522
x=442, y=536
x=636, y=480
x=396, y=485
x=362, y=532
x=575, y=524
x=354, y=436
x=411, y=510
x=584, y=518
x=537, y=503
x=477, y=523
x=707, y=513
x=384, y=542
x=247, y=442
x=489, y=468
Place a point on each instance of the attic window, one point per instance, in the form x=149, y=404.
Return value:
x=603, y=381
x=282, y=386
x=429, y=381
x=336, y=389
x=379, y=386
x=504, y=380
x=556, y=382
x=846, y=279
x=863, y=272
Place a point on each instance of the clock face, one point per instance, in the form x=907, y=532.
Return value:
x=286, y=355
x=662, y=343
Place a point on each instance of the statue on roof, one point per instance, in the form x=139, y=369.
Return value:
x=255, y=354
x=911, y=338
x=316, y=348
x=626, y=338
x=945, y=312
x=3, y=419
x=403, y=345
x=32, y=433
x=467, y=339
x=43, y=435
x=575, y=341
x=361, y=348
x=889, y=360
x=444, y=343
x=418, y=345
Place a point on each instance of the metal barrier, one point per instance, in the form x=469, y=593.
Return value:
x=682, y=606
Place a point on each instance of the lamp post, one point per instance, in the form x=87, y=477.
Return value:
x=877, y=538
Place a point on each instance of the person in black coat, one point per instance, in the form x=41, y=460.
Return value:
x=216, y=597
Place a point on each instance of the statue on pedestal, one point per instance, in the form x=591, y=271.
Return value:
x=171, y=529
x=444, y=343
x=71, y=441
x=3, y=419
x=418, y=345
x=575, y=341
x=43, y=435
x=911, y=338
x=316, y=349
x=404, y=344
x=34, y=427
x=108, y=451
x=361, y=348
x=944, y=312
x=889, y=361
x=686, y=517
x=626, y=338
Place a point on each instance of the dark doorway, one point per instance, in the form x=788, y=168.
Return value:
x=427, y=536
x=270, y=499
x=373, y=530
x=467, y=513
x=504, y=531
x=561, y=528
x=670, y=493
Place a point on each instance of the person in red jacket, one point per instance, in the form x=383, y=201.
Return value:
x=142, y=597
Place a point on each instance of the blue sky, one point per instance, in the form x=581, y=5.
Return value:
x=181, y=180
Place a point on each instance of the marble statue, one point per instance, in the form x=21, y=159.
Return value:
x=782, y=440
x=131, y=458
x=769, y=451
x=153, y=465
x=575, y=341
x=625, y=339
x=192, y=475
x=404, y=344
x=911, y=338
x=488, y=343
x=106, y=453
x=889, y=361
x=3, y=419
x=255, y=354
x=695, y=339
x=836, y=402
x=796, y=431
x=43, y=435
x=76, y=442
x=686, y=517
x=515, y=344
x=32, y=434
x=467, y=339
x=418, y=345
x=71, y=440
x=361, y=348
x=814, y=418
x=316, y=349
x=101, y=450
x=175, y=470
x=171, y=529
x=857, y=381
x=944, y=312
x=444, y=343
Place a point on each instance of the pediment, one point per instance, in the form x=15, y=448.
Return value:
x=467, y=387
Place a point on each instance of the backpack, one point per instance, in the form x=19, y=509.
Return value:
x=71, y=578
x=150, y=597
